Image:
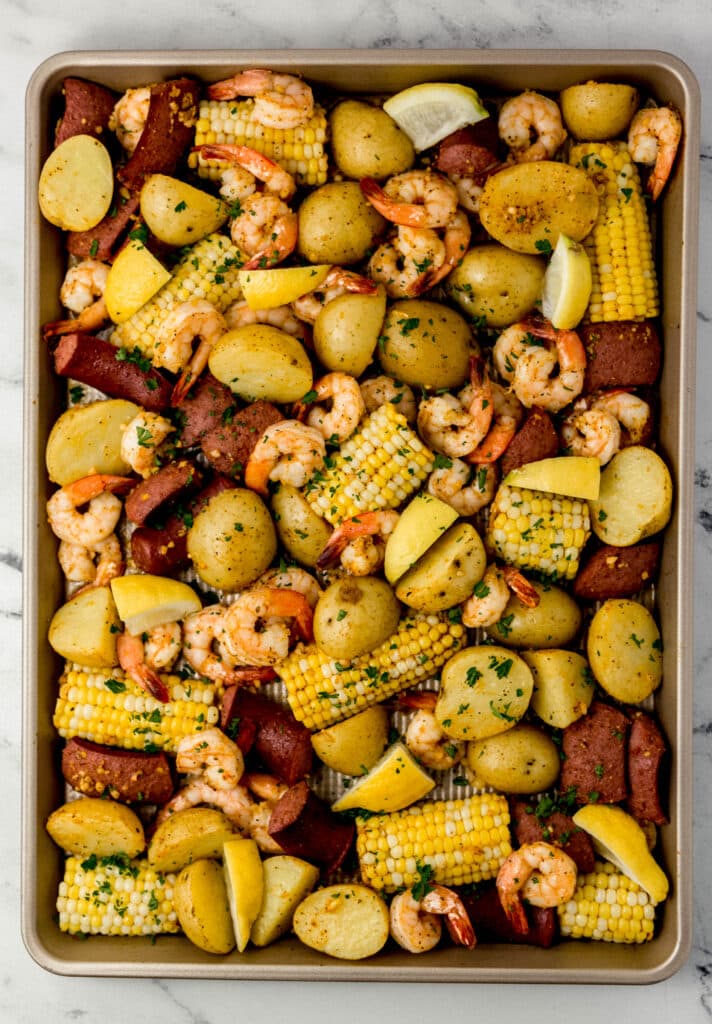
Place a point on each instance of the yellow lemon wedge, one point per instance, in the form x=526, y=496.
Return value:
x=618, y=838
x=575, y=476
x=394, y=782
x=144, y=601
x=421, y=523
x=244, y=879
x=567, y=284
x=429, y=112
x=134, y=277
x=265, y=289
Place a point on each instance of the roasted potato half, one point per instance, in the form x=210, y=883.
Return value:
x=484, y=691
x=201, y=903
x=625, y=651
x=189, y=835
x=635, y=497
x=92, y=825
x=348, y=922
x=446, y=573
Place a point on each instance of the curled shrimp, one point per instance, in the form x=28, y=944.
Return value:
x=337, y=282
x=539, y=873
x=281, y=100
x=653, y=138
x=491, y=595
x=414, y=199
x=206, y=654
x=377, y=391
x=173, y=348
x=530, y=125
x=239, y=314
x=465, y=487
x=592, y=432
x=96, y=566
x=142, y=437
x=631, y=412
x=129, y=115
x=256, y=627
x=359, y=542
x=265, y=229
x=93, y=526
x=506, y=416
x=455, y=425
x=288, y=452
x=415, y=259
x=82, y=293
x=415, y=923
x=536, y=381
x=142, y=656
x=292, y=578
x=213, y=756
x=424, y=736
x=273, y=176
x=338, y=422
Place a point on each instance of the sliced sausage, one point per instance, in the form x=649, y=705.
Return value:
x=87, y=109
x=621, y=354
x=208, y=404
x=535, y=439
x=303, y=826
x=281, y=742
x=102, y=241
x=168, y=131
x=469, y=151
x=531, y=824
x=229, y=445
x=647, y=756
x=127, y=775
x=491, y=924
x=594, y=762
x=612, y=572
x=164, y=486
x=99, y=364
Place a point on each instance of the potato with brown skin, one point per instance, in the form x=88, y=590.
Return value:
x=337, y=224
x=367, y=143
x=496, y=285
x=425, y=343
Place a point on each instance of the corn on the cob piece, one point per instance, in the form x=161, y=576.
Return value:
x=463, y=841
x=300, y=151
x=323, y=690
x=608, y=906
x=537, y=530
x=379, y=466
x=105, y=707
x=624, y=285
x=115, y=896
x=208, y=270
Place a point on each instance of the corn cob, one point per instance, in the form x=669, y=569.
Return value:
x=208, y=270
x=115, y=896
x=379, y=466
x=463, y=841
x=619, y=246
x=608, y=906
x=300, y=151
x=537, y=530
x=322, y=690
x=105, y=707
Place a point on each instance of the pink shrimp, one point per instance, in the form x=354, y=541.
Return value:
x=281, y=100
x=375, y=526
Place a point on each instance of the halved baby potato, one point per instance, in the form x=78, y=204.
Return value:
x=484, y=691
x=177, y=213
x=189, y=835
x=348, y=922
x=201, y=903
x=420, y=524
x=446, y=573
x=347, y=329
x=87, y=439
x=260, y=361
x=635, y=497
x=353, y=746
x=76, y=183
x=96, y=826
x=84, y=629
x=596, y=111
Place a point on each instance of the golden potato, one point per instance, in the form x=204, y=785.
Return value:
x=302, y=532
x=349, y=922
x=200, y=901
x=495, y=285
x=76, y=183
x=337, y=224
x=86, y=439
x=232, y=540
x=347, y=329
x=84, y=629
x=354, y=615
x=353, y=747
x=484, y=691
x=367, y=143
x=179, y=214
x=92, y=825
x=425, y=343
x=446, y=573
x=624, y=650
x=563, y=686
x=286, y=882
x=635, y=497
x=189, y=835
x=596, y=111
x=421, y=523
x=553, y=623
x=261, y=361
x=522, y=760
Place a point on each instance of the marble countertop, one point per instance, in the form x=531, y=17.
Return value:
x=31, y=31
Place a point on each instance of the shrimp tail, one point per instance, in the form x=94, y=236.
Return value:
x=516, y=914
x=521, y=586
x=90, y=319
x=151, y=682
x=424, y=700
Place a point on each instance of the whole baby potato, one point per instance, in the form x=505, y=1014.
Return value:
x=425, y=343
x=624, y=650
x=337, y=224
x=367, y=143
x=353, y=746
x=522, y=760
x=354, y=615
x=260, y=361
x=233, y=540
x=595, y=111
x=347, y=329
x=553, y=623
x=497, y=285
x=302, y=532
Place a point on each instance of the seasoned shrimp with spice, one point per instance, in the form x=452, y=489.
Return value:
x=288, y=452
x=463, y=486
x=82, y=293
x=456, y=425
x=89, y=528
x=360, y=542
x=530, y=125
x=536, y=873
x=415, y=922
x=142, y=439
x=414, y=199
x=337, y=282
x=213, y=756
x=340, y=416
x=551, y=376
x=376, y=391
x=128, y=118
x=257, y=627
x=653, y=138
x=284, y=318
x=491, y=595
x=141, y=662
x=186, y=322
x=281, y=100
x=424, y=736
x=96, y=566
x=206, y=654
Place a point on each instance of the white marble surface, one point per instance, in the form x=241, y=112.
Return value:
x=31, y=30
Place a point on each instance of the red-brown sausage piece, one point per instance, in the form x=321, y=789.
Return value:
x=594, y=762
x=535, y=439
x=281, y=742
x=470, y=151
x=620, y=354
x=647, y=752
x=87, y=109
x=101, y=241
x=101, y=365
x=303, y=826
x=168, y=131
x=166, y=485
x=207, y=405
x=617, y=572
x=531, y=824
x=229, y=445
x=492, y=925
x=127, y=775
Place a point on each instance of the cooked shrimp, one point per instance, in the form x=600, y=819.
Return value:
x=491, y=595
x=415, y=199
x=173, y=349
x=82, y=284
x=653, y=138
x=91, y=527
x=469, y=190
x=141, y=439
x=592, y=432
x=511, y=344
x=256, y=627
x=359, y=542
x=292, y=578
x=239, y=314
x=128, y=117
x=376, y=391
x=339, y=422
x=94, y=566
x=535, y=379
x=415, y=924
x=265, y=229
x=506, y=417
x=337, y=282
x=455, y=425
x=632, y=412
x=211, y=755
x=272, y=175
x=131, y=653
x=288, y=451
x=539, y=873
x=205, y=652
x=281, y=100
x=466, y=488
x=424, y=736
x=403, y=262
x=530, y=124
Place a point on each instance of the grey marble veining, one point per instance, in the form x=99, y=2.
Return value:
x=34, y=29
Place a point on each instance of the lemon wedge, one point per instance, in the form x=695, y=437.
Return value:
x=575, y=476
x=618, y=838
x=134, y=277
x=265, y=289
x=429, y=112
x=144, y=601
x=394, y=782
x=567, y=284
x=244, y=880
